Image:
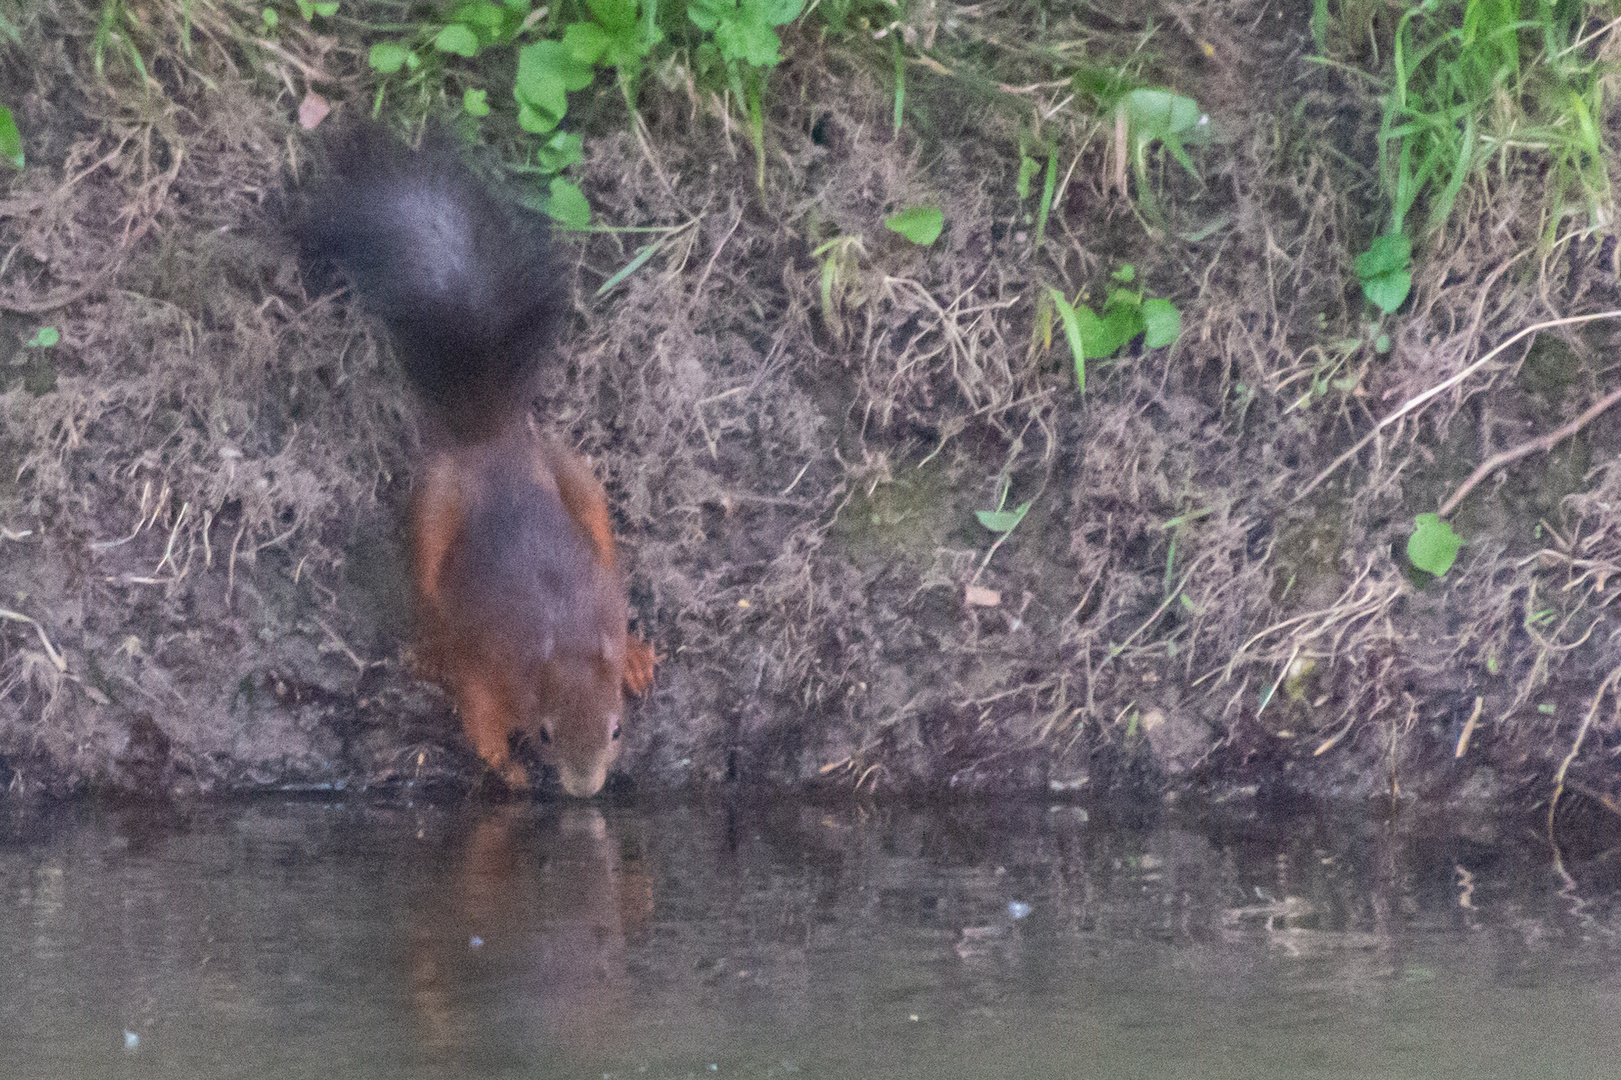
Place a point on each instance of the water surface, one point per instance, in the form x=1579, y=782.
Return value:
x=356, y=939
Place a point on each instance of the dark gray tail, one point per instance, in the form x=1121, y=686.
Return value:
x=462, y=278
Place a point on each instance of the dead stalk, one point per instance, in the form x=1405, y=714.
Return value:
x=1535, y=446
x=1576, y=746
x=1445, y=385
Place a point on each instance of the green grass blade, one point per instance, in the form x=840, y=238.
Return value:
x=900, y=77
x=1048, y=184
x=643, y=253
x=1072, y=334
x=11, y=140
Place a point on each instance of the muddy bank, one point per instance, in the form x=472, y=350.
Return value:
x=202, y=483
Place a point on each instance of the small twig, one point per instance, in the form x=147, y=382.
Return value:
x=1606, y=801
x=1535, y=446
x=1170, y=598
x=50, y=650
x=343, y=646
x=38, y=305
x=1443, y=386
x=720, y=247
x=1469, y=728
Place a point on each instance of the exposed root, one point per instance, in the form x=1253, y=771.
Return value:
x=1605, y=687
x=1538, y=445
x=1440, y=388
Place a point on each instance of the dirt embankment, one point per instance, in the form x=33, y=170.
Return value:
x=201, y=484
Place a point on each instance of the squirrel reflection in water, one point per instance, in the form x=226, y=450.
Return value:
x=530, y=921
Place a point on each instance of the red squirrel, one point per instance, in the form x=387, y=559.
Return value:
x=520, y=606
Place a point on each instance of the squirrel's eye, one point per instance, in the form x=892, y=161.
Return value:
x=545, y=735
x=614, y=734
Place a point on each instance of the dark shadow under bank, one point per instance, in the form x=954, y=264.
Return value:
x=1581, y=830
x=1294, y=841
x=1439, y=793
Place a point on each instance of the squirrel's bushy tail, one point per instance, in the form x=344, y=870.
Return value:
x=463, y=279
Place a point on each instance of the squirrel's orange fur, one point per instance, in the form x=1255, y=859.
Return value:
x=520, y=608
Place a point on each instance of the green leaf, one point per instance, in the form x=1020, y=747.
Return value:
x=1160, y=114
x=752, y=42
x=1387, y=253
x=1155, y=115
x=585, y=42
x=311, y=8
x=536, y=121
x=563, y=149
x=387, y=57
x=618, y=16
x=11, y=140
x=1122, y=298
x=773, y=12
x=1433, y=547
x=44, y=338
x=1126, y=274
x=1120, y=323
x=546, y=72
x=1049, y=181
x=271, y=18
x=476, y=102
x=707, y=14
x=480, y=15
x=919, y=224
x=1387, y=291
x=457, y=39
x=567, y=205
x=1162, y=322
x=1002, y=521
x=493, y=23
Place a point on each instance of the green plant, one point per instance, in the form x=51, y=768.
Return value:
x=111, y=32
x=1144, y=116
x=838, y=257
x=46, y=337
x=1383, y=271
x=1433, y=546
x=1002, y=520
x=561, y=48
x=1153, y=115
x=1126, y=314
x=1474, y=83
x=11, y=140
x=919, y=224
x=743, y=45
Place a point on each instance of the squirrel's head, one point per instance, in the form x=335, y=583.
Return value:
x=574, y=713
